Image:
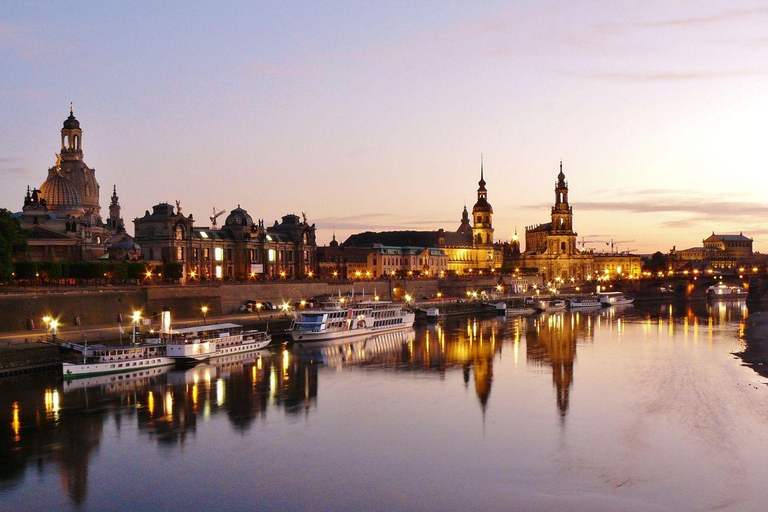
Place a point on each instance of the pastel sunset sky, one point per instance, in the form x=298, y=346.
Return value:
x=373, y=116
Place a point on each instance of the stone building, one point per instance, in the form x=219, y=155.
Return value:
x=468, y=249
x=718, y=252
x=241, y=249
x=551, y=247
x=63, y=217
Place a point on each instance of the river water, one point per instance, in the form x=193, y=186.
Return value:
x=641, y=409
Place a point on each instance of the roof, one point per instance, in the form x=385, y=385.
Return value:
x=208, y=327
x=541, y=227
x=728, y=238
x=395, y=239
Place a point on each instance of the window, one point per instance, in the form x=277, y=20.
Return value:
x=218, y=254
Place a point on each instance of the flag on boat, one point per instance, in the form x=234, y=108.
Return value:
x=120, y=328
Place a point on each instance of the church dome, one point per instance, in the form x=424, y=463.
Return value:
x=71, y=123
x=61, y=195
x=239, y=217
x=482, y=206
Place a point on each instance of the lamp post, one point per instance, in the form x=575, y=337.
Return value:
x=204, y=309
x=136, y=317
x=54, y=329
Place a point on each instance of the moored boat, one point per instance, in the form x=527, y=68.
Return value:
x=546, y=305
x=614, y=298
x=102, y=360
x=587, y=301
x=723, y=291
x=356, y=320
x=215, y=340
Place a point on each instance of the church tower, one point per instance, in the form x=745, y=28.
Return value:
x=72, y=167
x=465, y=228
x=482, y=214
x=562, y=239
x=115, y=221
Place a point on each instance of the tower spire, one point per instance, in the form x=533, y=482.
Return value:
x=71, y=108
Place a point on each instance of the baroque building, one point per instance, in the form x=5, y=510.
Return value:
x=63, y=216
x=551, y=247
x=241, y=249
x=470, y=248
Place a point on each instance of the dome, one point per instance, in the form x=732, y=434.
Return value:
x=482, y=206
x=71, y=123
x=126, y=245
x=238, y=217
x=61, y=195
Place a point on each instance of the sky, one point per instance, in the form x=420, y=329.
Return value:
x=374, y=115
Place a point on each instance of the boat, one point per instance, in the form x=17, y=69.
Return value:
x=520, y=310
x=587, y=301
x=722, y=291
x=209, y=341
x=355, y=320
x=102, y=360
x=546, y=305
x=614, y=298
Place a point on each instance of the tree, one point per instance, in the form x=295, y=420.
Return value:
x=657, y=262
x=13, y=243
x=173, y=271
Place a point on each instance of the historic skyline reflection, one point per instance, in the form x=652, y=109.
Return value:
x=61, y=431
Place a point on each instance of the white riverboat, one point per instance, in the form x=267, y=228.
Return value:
x=588, y=301
x=215, y=340
x=355, y=320
x=546, y=304
x=103, y=360
x=723, y=291
x=615, y=298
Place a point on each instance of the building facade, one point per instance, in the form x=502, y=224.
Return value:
x=470, y=248
x=551, y=247
x=239, y=250
x=62, y=217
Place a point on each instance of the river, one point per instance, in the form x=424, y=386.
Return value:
x=636, y=409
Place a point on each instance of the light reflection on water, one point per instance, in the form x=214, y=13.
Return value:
x=614, y=409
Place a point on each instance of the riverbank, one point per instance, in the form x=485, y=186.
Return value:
x=755, y=353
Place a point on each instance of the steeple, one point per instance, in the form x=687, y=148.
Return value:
x=115, y=221
x=71, y=137
x=482, y=213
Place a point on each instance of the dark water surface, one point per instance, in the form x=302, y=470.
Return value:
x=610, y=410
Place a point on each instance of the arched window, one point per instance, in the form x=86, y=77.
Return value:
x=562, y=246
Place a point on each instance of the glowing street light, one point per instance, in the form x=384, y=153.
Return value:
x=54, y=329
x=408, y=298
x=135, y=317
x=204, y=310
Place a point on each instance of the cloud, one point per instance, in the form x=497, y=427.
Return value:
x=723, y=16
x=381, y=222
x=7, y=167
x=674, y=76
x=24, y=42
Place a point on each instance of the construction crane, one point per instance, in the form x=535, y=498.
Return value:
x=614, y=243
x=587, y=240
x=215, y=216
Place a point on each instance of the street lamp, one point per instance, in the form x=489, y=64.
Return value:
x=54, y=329
x=204, y=309
x=135, y=317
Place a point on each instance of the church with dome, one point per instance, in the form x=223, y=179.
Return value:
x=62, y=217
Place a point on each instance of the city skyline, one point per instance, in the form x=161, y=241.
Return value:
x=374, y=118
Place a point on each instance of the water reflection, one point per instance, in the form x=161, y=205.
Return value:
x=55, y=426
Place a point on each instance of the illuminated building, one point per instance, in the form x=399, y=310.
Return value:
x=240, y=250
x=719, y=252
x=551, y=247
x=469, y=248
x=62, y=218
